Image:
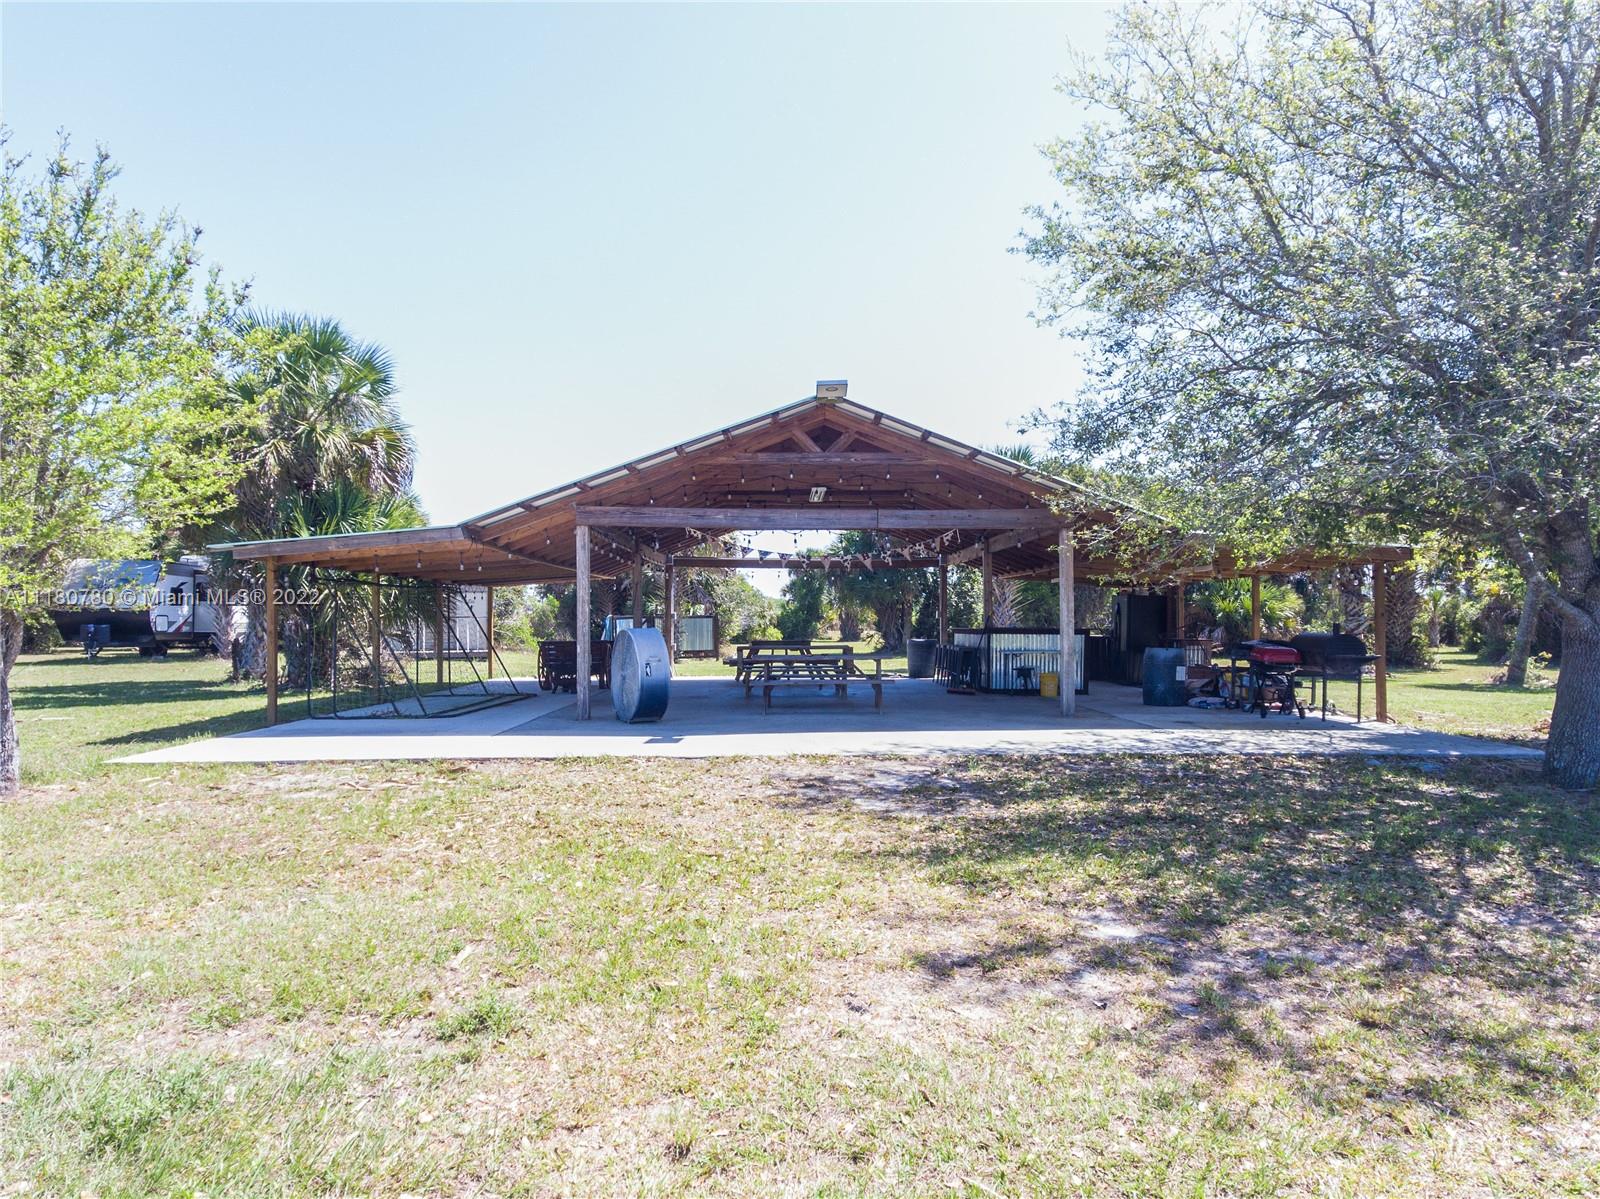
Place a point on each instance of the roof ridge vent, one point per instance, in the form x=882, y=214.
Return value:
x=832, y=390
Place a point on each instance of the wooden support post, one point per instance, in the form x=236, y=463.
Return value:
x=668, y=605
x=1069, y=621
x=638, y=592
x=377, y=633
x=988, y=584
x=944, y=603
x=1174, y=603
x=1380, y=640
x=438, y=634
x=270, y=664
x=1255, y=607
x=580, y=632
x=488, y=627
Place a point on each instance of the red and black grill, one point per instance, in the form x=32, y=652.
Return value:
x=1274, y=671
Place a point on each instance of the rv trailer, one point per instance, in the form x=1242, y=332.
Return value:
x=135, y=603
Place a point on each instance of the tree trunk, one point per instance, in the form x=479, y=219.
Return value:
x=1404, y=603
x=849, y=623
x=253, y=651
x=1527, y=625
x=1572, y=753
x=10, y=751
x=892, y=627
x=1349, y=582
x=1006, y=594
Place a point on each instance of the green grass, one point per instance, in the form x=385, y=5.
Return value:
x=1456, y=696
x=689, y=978
x=832, y=977
x=74, y=714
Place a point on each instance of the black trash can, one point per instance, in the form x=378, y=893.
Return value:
x=919, y=657
x=1162, y=686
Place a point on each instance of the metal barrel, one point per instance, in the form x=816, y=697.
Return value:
x=640, y=673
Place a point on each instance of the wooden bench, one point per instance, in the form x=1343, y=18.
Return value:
x=558, y=664
x=840, y=689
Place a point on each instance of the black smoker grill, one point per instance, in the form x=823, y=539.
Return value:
x=1339, y=656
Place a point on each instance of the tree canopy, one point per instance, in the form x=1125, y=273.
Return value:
x=115, y=430
x=1337, y=264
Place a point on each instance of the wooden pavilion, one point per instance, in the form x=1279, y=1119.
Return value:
x=823, y=463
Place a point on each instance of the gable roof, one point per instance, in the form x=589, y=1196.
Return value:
x=780, y=470
x=860, y=458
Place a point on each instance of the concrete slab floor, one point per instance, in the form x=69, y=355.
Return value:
x=710, y=717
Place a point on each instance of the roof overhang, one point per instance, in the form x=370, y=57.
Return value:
x=813, y=464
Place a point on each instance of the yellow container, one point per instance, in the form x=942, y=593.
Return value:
x=1049, y=684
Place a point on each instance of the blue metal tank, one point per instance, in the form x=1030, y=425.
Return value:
x=640, y=673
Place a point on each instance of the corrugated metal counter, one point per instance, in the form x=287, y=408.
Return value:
x=1001, y=651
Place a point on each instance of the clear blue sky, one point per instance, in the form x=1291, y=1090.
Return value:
x=586, y=232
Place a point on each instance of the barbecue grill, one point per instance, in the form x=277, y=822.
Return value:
x=1274, y=667
x=1337, y=655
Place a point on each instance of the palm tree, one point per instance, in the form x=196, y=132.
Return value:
x=327, y=416
x=327, y=432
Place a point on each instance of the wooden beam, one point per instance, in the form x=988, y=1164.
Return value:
x=1069, y=620
x=944, y=604
x=438, y=634
x=580, y=632
x=637, y=587
x=520, y=555
x=1380, y=640
x=1006, y=541
x=363, y=543
x=633, y=546
x=805, y=441
x=668, y=603
x=1255, y=607
x=815, y=516
x=798, y=563
x=377, y=633
x=488, y=628
x=270, y=665
x=823, y=458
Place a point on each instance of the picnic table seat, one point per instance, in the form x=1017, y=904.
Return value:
x=840, y=689
x=836, y=666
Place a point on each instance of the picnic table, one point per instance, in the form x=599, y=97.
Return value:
x=746, y=658
x=815, y=669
